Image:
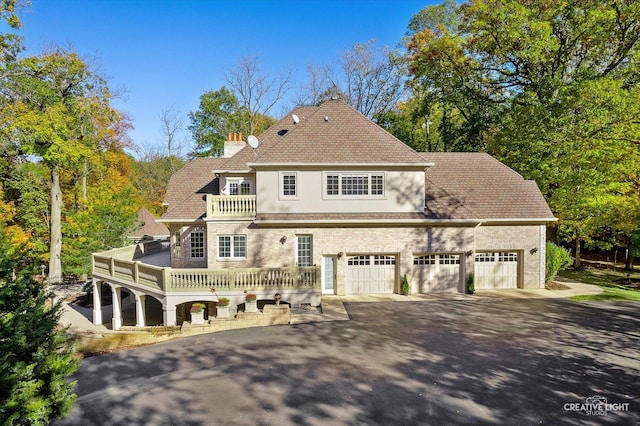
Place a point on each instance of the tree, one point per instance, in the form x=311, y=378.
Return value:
x=219, y=114
x=57, y=109
x=171, y=124
x=257, y=93
x=369, y=78
x=35, y=357
x=549, y=88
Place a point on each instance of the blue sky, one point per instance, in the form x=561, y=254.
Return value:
x=167, y=53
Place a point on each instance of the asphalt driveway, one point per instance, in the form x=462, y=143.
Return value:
x=485, y=360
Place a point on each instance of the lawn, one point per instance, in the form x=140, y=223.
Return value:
x=617, y=284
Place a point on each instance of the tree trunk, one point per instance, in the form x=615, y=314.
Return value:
x=55, y=247
x=628, y=265
x=577, y=263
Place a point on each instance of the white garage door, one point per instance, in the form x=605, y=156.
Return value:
x=436, y=273
x=370, y=274
x=496, y=270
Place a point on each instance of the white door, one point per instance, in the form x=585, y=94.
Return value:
x=328, y=274
x=494, y=270
x=370, y=274
x=435, y=273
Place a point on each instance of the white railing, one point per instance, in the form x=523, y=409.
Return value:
x=231, y=205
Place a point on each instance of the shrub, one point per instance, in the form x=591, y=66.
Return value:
x=471, y=287
x=223, y=301
x=557, y=259
x=251, y=297
x=197, y=308
x=405, y=285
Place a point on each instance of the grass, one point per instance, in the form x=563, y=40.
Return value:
x=611, y=281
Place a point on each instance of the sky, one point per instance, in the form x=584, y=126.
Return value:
x=162, y=53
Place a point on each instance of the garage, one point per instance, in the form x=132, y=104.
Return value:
x=496, y=270
x=435, y=273
x=370, y=274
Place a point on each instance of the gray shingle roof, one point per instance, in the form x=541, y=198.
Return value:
x=465, y=185
x=149, y=226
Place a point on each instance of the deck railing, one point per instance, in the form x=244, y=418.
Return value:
x=231, y=205
x=189, y=280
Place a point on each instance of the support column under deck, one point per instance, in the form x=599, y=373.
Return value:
x=169, y=315
x=140, y=312
x=97, y=302
x=116, y=321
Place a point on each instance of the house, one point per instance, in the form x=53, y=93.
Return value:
x=327, y=202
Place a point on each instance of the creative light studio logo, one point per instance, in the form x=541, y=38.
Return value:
x=596, y=406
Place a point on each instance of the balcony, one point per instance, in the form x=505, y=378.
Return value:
x=118, y=266
x=231, y=206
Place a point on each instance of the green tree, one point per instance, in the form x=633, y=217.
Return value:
x=551, y=89
x=36, y=358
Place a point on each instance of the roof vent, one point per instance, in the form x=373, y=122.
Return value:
x=296, y=119
x=326, y=118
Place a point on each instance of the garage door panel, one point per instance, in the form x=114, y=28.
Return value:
x=370, y=274
x=495, y=270
x=437, y=272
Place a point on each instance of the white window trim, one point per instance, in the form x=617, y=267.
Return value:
x=281, y=194
x=340, y=175
x=239, y=181
x=233, y=257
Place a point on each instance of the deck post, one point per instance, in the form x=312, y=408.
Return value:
x=97, y=301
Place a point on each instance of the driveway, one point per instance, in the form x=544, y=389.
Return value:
x=482, y=360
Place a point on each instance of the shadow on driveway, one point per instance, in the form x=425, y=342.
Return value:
x=476, y=361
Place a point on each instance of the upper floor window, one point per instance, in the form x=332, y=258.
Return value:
x=289, y=184
x=197, y=244
x=354, y=184
x=239, y=187
x=232, y=246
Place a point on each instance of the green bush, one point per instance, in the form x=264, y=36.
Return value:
x=471, y=287
x=558, y=258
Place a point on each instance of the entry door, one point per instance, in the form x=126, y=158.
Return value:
x=329, y=275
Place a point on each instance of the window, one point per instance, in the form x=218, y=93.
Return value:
x=333, y=187
x=427, y=259
x=289, y=184
x=377, y=185
x=239, y=188
x=232, y=246
x=354, y=184
x=485, y=257
x=197, y=244
x=359, y=260
x=384, y=260
x=507, y=257
x=304, y=250
x=177, y=244
x=449, y=259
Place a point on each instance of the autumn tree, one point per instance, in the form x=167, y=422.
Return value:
x=548, y=87
x=57, y=109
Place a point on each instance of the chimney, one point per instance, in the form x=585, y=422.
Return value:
x=233, y=144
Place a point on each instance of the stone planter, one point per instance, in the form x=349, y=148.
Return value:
x=222, y=312
x=197, y=318
x=251, y=306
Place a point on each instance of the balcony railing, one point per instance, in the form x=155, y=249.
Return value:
x=169, y=280
x=231, y=205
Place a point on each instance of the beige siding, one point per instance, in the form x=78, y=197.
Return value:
x=404, y=192
x=264, y=246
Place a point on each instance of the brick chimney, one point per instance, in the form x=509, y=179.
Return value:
x=233, y=144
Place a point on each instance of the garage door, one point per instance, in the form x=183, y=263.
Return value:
x=496, y=270
x=436, y=273
x=370, y=274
